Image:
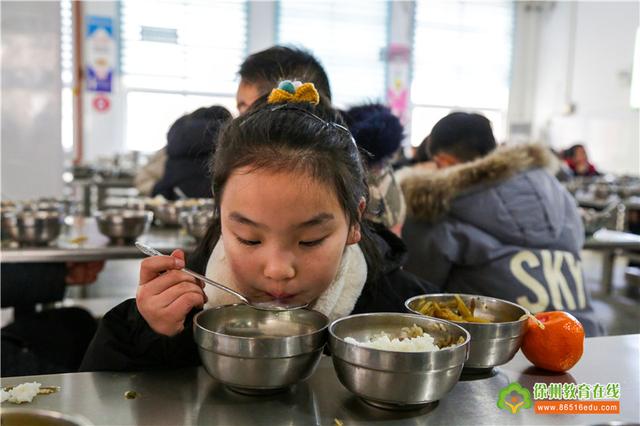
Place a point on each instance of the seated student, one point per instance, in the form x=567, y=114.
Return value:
x=190, y=142
x=262, y=71
x=495, y=222
x=281, y=154
x=52, y=340
x=379, y=133
x=259, y=73
x=578, y=161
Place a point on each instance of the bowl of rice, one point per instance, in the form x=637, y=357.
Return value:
x=398, y=361
x=259, y=352
x=497, y=327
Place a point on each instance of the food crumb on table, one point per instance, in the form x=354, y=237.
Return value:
x=131, y=394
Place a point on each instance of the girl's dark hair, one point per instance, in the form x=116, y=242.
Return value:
x=294, y=137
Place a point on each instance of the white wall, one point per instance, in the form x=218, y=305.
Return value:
x=593, y=78
x=32, y=156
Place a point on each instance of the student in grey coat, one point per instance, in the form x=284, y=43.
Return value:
x=495, y=222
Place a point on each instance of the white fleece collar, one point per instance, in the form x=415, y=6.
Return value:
x=337, y=301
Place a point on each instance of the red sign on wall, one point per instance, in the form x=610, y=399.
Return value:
x=101, y=103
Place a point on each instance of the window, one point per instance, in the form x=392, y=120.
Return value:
x=347, y=38
x=462, y=61
x=66, y=61
x=177, y=56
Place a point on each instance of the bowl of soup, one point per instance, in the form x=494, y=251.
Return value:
x=257, y=351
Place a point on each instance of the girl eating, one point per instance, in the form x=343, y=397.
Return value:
x=290, y=193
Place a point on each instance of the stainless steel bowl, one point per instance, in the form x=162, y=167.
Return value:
x=33, y=228
x=493, y=343
x=123, y=226
x=9, y=222
x=396, y=380
x=30, y=416
x=197, y=223
x=168, y=213
x=255, y=351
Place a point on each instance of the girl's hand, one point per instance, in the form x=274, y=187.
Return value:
x=166, y=295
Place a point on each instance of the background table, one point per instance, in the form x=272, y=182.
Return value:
x=97, y=246
x=612, y=244
x=191, y=396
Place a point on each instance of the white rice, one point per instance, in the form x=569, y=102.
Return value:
x=421, y=343
x=24, y=392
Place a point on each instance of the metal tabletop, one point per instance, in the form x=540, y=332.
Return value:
x=191, y=396
x=606, y=239
x=81, y=241
x=611, y=244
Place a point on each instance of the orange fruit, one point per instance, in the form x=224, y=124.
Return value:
x=558, y=346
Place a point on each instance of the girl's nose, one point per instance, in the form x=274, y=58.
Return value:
x=280, y=267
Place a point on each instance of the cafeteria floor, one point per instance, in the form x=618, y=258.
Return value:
x=618, y=313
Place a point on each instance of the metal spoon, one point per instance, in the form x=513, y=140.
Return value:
x=264, y=306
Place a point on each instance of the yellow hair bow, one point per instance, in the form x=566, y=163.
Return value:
x=294, y=91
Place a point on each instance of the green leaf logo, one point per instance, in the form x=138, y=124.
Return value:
x=514, y=397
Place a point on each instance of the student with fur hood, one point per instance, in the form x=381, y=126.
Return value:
x=495, y=222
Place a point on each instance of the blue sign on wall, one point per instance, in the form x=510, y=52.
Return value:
x=100, y=53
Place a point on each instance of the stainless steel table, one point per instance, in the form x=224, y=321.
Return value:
x=96, y=246
x=191, y=396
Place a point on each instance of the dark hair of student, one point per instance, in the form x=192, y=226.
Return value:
x=268, y=67
x=422, y=151
x=197, y=130
x=467, y=136
x=570, y=152
x=293, y=137
x=376, y=130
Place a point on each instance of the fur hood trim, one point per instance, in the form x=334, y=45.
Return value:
x=429, y=193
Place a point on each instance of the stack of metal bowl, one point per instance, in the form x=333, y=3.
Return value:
x=9, y=221
x=256, y=352
x=32, y=227
x=123, y=226
x=197, y=223
x=391, y=379
x=492, y=344
x=168, y=213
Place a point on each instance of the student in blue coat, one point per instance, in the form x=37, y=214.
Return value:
x=496, y=222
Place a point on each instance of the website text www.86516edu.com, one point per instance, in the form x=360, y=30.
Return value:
x=577, y=407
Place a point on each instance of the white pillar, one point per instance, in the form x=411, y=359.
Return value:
x=32, y=155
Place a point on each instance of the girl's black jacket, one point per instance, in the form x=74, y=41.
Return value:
x=125, y=342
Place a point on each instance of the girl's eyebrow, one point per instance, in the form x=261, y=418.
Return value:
x=316, y=220
x=319, y=219
x=237, y=217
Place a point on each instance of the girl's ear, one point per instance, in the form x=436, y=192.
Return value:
x=354, y=233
